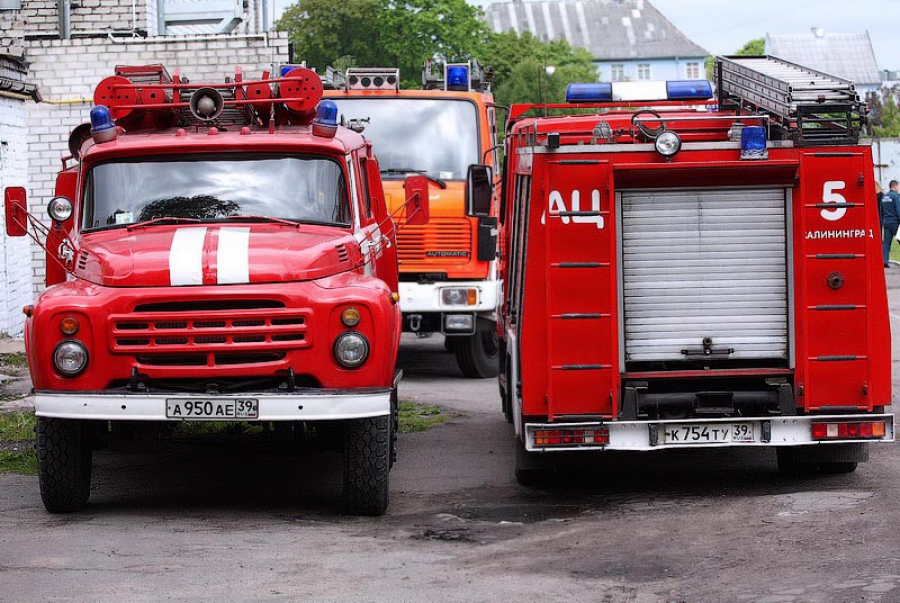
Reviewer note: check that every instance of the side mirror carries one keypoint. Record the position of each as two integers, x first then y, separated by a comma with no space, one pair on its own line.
479,191
416,189
15,200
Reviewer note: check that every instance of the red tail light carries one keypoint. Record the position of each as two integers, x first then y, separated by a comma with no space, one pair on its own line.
856,430
572,436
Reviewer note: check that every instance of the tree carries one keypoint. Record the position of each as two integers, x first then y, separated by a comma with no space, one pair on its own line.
755,47
890,119
394,33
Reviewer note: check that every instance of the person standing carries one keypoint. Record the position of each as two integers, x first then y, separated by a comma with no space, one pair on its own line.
879,195
890,218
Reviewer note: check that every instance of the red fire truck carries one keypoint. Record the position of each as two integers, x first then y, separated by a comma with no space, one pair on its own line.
448,267
683,272
218,252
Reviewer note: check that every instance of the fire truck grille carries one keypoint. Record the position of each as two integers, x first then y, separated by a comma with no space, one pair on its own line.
441,241
209,333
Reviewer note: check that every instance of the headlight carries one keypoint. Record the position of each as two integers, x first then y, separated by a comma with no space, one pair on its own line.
60,209
459,296
351,349
350,317
70,358
668,143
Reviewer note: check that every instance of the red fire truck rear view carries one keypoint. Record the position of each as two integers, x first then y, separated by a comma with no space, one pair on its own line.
219,252
684,272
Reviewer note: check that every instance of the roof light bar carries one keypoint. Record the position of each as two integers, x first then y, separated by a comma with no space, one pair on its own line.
599,92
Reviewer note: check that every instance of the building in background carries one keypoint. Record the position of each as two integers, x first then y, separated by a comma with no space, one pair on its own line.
629,39
846,55
56,51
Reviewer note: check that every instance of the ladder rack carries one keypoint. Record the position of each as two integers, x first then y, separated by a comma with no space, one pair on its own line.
812,107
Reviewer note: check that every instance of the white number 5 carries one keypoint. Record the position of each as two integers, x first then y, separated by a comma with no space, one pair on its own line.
829,196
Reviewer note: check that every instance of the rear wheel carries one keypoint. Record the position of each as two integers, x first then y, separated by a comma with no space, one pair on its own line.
64,464
533,468
478,354
367,451
836,468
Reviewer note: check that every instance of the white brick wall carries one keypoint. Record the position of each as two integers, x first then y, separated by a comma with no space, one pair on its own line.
15,272
66,72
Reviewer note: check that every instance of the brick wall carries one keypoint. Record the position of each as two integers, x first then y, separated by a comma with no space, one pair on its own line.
12,32
15,269
41,17
66,72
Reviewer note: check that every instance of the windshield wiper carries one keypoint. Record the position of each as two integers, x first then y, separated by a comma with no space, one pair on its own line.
264,219
161,220
441,183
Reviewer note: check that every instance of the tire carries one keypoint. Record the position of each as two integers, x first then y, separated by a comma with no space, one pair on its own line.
64,464
790,465
367,465
478,355
838,467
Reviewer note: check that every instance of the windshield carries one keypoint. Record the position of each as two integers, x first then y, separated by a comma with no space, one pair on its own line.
303,189
436,137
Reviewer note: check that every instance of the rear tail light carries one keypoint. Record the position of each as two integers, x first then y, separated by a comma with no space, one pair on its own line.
572,436
856,430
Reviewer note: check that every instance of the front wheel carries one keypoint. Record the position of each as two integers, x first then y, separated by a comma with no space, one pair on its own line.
367,464
478,355
64,464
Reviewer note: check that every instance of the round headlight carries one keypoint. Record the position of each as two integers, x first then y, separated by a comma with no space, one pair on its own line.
70,358
351,349
668,143
350,317
60,209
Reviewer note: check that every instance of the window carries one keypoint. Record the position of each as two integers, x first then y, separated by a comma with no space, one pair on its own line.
692,70
618,73
521,211
643,71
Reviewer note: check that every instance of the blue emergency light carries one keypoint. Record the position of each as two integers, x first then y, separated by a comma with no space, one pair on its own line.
589,93
458,77
689,90
286,69
753,143
325,123
102,127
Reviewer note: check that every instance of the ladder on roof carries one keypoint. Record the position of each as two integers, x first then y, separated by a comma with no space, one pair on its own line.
812,107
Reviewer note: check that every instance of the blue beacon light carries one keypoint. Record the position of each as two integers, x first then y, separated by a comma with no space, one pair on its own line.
589,93
753,143
689,90
103,129
325,124
458,77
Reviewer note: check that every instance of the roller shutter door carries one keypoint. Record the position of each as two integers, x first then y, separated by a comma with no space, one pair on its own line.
704,265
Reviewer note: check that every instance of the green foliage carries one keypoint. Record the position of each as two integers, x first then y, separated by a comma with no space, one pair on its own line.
383,33
419,417
755,47
14,360
17,427
890,119
23,462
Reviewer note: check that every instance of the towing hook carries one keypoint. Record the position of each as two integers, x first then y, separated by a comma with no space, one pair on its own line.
415,322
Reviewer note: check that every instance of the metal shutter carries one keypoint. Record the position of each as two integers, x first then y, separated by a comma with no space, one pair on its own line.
704,264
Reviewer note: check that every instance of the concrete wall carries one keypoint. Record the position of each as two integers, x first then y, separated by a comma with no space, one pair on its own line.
15,267
886,154
66,72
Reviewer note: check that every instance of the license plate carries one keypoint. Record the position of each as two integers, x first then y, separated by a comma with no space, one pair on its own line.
212,409
711,433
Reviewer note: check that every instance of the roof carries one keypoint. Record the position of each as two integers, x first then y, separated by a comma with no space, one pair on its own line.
609,29
846,55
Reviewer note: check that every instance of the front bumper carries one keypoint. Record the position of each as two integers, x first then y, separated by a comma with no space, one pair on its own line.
426,297
302,405
652,435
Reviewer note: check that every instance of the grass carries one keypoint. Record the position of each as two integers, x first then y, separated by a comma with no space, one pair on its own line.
419,417
17,430
14,361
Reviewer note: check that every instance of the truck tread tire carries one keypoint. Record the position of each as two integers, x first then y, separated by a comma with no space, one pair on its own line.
477,355
838,467
64,464
367,465
533,469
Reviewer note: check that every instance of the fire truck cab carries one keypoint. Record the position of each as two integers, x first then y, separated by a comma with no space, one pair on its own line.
218,252
684,272
448,267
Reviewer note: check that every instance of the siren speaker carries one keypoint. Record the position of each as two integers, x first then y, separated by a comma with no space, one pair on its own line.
207,104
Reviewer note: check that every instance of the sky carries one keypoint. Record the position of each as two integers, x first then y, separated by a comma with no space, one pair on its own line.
723,26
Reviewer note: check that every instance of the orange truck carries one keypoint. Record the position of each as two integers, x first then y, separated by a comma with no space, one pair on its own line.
448,267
